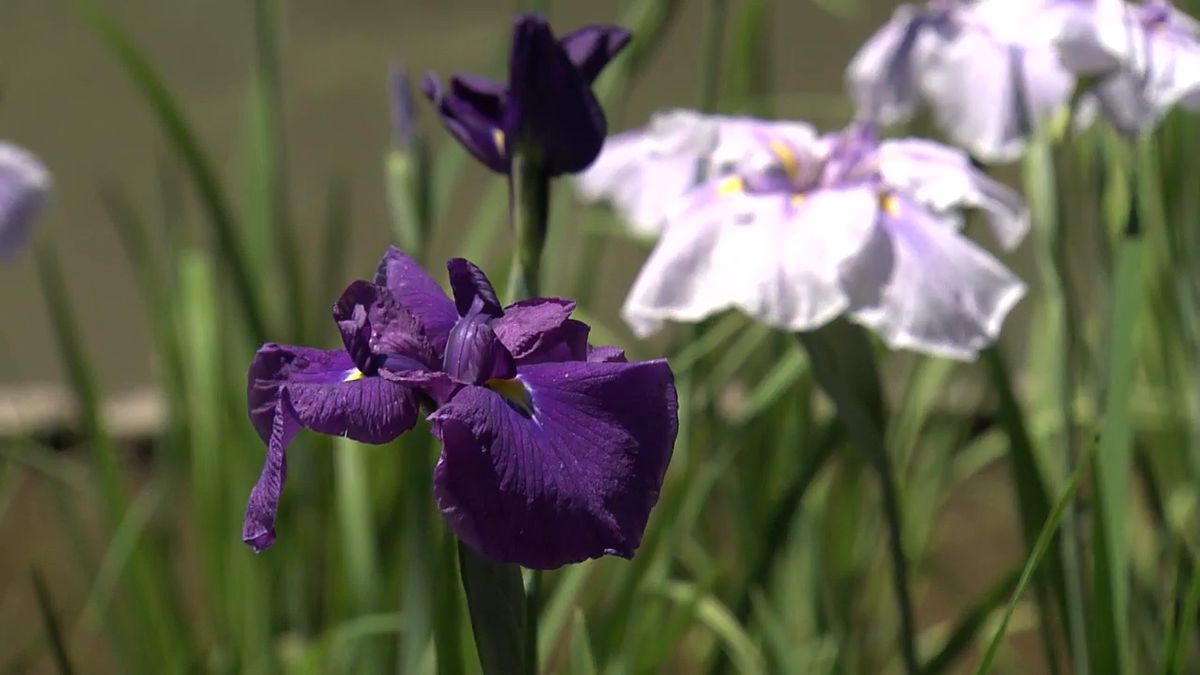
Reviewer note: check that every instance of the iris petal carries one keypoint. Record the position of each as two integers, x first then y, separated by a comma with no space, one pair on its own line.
945,295
292,387
24,182
376,327
551,108
542,329
592,47
417,292
575,480
476,131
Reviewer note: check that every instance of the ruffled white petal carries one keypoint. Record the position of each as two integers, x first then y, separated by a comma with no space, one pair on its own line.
943,179
945,296
779,262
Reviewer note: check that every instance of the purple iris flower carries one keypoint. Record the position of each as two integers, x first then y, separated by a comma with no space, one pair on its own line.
839,225
547,109
553,451
1145,57
989,71
24,182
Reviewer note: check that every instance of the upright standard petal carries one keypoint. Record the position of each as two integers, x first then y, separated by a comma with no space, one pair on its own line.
417,292
573,477
779,258
592,47
944,296
24,182
881,76
293,387
551,109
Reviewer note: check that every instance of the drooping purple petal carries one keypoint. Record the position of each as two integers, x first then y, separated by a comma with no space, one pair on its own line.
944,295
258,525
24,182
573,480
417,292
541,330
551,106
481,135
592,47
291,387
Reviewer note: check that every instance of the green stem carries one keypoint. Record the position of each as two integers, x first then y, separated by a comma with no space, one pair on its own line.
496,602
503,614
529,205
843,364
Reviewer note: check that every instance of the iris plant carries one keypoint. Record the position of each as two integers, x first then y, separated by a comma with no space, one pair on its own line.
795,229
24,182
553,451
996,72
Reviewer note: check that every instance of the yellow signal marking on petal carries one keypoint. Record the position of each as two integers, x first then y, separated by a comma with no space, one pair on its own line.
498,139
786,156
730,186
890,204
513,391
353,375
798,199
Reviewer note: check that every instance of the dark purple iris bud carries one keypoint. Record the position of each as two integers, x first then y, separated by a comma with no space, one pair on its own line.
404,109
553,451
547,109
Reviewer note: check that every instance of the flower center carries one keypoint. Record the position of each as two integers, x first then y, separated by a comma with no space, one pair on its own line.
514,392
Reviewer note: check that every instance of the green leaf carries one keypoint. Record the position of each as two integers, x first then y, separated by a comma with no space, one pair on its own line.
1115,454
496,599
582,661
54,636
716,617
1036,555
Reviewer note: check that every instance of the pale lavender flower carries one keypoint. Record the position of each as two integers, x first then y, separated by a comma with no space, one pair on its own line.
644,172
988,71
840,225
1146,58
24,182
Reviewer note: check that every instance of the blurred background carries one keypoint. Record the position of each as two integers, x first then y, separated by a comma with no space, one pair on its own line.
127,455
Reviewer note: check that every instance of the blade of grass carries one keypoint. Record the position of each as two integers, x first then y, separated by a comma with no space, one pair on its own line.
843,365
968,627
170,115
1036,555
273,233
356,527
1115,459
155,621
582,661
54,636
1175,656
1033,502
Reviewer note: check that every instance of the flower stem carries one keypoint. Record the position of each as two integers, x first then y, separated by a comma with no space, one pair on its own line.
504,614
844,366
529,206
